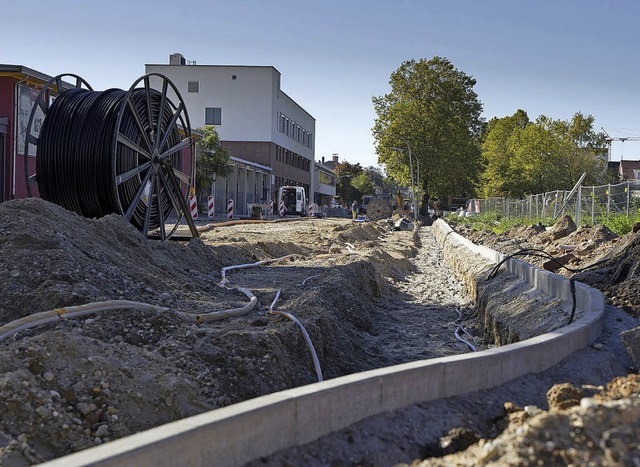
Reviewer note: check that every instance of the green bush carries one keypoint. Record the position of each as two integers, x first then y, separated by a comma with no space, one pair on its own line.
620,223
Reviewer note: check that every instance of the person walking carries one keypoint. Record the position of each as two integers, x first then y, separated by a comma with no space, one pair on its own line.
354,209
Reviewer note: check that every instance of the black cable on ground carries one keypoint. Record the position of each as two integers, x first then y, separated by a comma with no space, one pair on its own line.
543,254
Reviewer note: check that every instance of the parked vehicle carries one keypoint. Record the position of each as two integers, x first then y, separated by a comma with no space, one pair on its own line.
295,200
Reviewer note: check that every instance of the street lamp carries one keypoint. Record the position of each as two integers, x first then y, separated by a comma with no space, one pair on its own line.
417,165
413,190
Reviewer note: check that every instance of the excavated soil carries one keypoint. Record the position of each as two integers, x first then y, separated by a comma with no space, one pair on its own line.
368,297
358,288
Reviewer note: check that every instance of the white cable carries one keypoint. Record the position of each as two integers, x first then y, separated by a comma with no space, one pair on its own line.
44,317
314,356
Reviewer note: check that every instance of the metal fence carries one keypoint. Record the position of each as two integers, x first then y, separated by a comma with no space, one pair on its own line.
585,205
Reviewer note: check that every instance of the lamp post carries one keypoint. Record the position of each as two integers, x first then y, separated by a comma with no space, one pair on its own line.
417,165
413,189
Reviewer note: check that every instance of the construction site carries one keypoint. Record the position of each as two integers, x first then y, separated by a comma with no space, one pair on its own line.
132,334
157,341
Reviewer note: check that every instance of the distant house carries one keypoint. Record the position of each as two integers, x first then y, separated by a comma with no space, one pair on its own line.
629,170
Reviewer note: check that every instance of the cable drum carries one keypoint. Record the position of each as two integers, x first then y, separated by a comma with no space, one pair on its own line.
117,151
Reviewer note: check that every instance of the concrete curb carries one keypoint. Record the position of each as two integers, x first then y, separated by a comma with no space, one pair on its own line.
234,435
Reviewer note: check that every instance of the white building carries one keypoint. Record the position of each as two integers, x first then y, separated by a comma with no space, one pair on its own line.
324,184
255,119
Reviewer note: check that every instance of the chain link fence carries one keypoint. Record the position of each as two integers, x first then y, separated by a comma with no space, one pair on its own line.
584,205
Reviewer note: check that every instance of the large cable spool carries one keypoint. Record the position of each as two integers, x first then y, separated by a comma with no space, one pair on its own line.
114,151
379,209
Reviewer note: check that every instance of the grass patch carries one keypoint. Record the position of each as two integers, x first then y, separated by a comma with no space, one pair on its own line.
620,223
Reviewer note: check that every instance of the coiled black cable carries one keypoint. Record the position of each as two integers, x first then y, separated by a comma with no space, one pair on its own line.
79,160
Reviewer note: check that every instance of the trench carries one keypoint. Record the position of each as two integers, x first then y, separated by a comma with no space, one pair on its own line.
417,318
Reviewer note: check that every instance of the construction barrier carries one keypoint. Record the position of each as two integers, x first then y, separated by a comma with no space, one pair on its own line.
281,208
230,209
271,208
310,210
193,207
211,211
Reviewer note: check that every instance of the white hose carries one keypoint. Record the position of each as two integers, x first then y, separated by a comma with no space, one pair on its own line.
314,356
259,263
43,317
310,278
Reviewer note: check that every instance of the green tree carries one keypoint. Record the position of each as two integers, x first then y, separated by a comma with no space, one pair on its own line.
345,173
363,183
211,160
523,157
433,110
497,178
382,182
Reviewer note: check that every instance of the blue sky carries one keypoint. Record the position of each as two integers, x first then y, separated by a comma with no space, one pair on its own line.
545,57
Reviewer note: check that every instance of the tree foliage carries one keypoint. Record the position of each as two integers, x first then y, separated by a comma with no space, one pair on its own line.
523,157
363,183
211,160
433,111
354,181
345,173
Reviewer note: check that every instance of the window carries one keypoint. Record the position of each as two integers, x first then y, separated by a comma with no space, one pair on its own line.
193,86
636,173
234,77
213,116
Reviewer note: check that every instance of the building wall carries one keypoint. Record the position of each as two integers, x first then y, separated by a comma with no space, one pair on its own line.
256,151
246,101
252,106
7,110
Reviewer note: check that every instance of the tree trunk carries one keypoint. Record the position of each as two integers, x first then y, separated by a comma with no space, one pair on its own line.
424,208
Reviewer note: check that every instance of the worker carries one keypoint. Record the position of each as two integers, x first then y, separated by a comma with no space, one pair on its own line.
354,209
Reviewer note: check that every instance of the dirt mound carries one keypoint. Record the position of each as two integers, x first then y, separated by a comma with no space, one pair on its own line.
52,258
524,231
594,255
71,384
563,227
617,274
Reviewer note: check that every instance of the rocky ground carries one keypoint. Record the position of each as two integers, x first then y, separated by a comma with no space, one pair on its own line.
361,290
358,288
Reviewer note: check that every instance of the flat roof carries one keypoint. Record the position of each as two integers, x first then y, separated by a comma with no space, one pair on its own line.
4,68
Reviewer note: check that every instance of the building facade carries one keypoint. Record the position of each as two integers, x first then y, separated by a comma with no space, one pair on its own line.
254,118
19,88
324,185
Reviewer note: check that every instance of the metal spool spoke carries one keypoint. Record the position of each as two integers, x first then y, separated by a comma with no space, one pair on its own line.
163,99
182,176
43,104
120,179
163,232
147,214
170,192
147,92
137,197
59,84
31,139
131,145
170,126
139,124
185,143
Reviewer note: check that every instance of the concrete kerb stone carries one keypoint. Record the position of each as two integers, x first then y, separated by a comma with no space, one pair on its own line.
234,435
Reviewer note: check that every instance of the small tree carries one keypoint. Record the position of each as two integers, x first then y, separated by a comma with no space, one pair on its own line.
211,160
363,183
